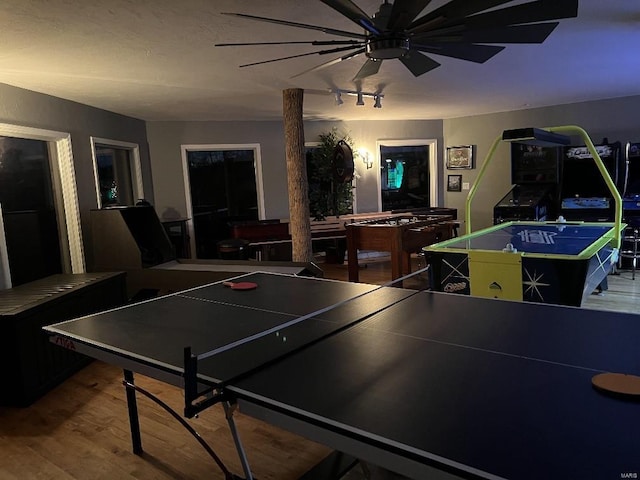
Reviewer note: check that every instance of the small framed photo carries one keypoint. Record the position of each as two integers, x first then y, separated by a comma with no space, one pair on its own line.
460,157
454,183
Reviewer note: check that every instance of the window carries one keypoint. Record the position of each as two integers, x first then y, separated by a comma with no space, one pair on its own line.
408,174
65,199
117,171
223,183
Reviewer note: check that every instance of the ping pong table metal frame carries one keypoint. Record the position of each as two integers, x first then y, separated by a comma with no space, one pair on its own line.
196,400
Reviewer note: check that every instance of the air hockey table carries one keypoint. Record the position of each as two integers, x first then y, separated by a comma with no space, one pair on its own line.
544,262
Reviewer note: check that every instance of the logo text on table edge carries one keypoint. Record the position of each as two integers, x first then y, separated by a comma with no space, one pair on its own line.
65,342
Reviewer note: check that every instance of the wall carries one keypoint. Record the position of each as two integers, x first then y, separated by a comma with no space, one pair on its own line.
31,109
616,119
165,139
365,134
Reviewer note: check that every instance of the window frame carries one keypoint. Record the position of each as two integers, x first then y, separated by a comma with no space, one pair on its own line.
136,166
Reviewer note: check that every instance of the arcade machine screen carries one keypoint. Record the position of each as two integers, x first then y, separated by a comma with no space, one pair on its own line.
584,194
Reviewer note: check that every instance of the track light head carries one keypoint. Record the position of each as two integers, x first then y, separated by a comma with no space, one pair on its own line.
360,99
378,103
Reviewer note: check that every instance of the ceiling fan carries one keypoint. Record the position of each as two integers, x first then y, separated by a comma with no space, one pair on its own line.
463,29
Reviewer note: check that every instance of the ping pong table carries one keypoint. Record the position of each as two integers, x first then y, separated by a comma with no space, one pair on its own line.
426,384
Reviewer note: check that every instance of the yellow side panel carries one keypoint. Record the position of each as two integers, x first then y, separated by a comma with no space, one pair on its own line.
495,275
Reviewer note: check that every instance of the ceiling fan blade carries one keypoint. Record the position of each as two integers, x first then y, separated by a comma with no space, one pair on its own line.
454,10
314,42
331,62
463,51
353,13
404,12
417,63
321,52
370,67
538,11
330,31
535,33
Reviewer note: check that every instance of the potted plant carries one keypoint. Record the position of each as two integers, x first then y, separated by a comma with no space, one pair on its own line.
328,194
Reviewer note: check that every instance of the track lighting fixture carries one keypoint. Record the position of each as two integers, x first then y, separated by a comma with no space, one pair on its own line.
360,95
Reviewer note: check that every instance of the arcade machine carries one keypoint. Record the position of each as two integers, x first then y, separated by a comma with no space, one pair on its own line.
584,195
631,190
535,176
630,251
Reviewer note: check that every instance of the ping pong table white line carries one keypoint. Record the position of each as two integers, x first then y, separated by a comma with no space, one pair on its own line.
238,305
484,350
297,320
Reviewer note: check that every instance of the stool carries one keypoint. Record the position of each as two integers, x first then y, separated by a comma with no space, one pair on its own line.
631,242
233,249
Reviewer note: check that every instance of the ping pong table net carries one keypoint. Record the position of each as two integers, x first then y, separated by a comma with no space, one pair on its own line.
269,345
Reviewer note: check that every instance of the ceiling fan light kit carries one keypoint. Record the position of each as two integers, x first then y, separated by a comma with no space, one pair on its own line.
470,30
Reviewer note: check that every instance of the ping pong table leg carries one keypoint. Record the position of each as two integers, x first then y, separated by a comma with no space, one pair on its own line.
132,406
229,409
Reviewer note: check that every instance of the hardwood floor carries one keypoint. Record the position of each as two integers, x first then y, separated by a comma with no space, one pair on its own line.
80,430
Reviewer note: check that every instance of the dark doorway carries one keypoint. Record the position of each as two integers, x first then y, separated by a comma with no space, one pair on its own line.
223,189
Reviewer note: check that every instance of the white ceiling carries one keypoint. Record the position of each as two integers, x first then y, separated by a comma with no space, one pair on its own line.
156,60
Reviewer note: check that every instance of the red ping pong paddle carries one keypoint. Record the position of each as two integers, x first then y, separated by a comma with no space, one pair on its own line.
240,285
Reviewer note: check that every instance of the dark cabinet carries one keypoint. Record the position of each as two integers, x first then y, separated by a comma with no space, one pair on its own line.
30,365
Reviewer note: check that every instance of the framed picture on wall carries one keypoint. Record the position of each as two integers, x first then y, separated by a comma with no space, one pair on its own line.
460,157
454,183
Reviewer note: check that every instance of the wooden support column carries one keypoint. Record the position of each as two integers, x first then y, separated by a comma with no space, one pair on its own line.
299,217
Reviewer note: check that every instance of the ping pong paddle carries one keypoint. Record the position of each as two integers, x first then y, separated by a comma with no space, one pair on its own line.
240,285
618,384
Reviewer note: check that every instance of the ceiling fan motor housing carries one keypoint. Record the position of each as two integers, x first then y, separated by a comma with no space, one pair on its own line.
387,47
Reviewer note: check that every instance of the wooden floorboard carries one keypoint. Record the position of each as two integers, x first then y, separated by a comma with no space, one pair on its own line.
80,429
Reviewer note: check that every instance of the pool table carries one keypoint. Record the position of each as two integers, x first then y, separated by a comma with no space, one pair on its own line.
543,262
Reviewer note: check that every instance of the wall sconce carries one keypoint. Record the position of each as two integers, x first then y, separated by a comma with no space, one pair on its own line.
377,97
364,154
